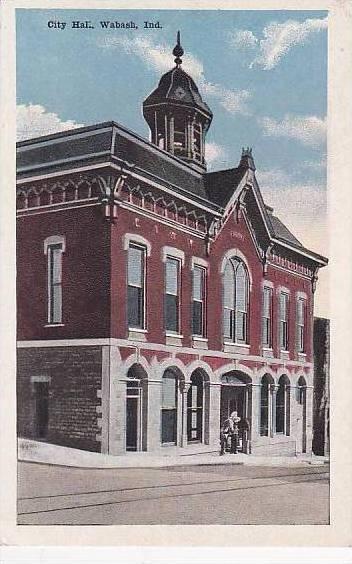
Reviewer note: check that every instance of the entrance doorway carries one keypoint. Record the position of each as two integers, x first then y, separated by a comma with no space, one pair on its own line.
133,415
41,398
136,409
236,396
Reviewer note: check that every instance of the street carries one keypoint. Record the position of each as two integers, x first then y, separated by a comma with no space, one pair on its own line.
213,494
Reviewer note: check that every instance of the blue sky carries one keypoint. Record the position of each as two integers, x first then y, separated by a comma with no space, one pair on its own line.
263,73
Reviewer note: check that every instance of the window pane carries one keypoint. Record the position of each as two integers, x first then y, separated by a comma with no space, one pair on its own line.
56,304
171,282
198,277
229,286
169,391
241,288
300,312
135,266
171,312
135,307
283,306
56,258
240,326
267,302
168,426
264,409
280,409
227,323
197,318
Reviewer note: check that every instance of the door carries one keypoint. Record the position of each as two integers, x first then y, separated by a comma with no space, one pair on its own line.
133,419
232,399
41,409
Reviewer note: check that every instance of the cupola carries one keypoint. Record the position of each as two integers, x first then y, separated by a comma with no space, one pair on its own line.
177,116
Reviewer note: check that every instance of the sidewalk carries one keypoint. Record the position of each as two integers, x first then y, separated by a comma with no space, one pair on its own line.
33,451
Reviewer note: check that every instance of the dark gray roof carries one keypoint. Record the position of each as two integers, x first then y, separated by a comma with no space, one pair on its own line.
282,232
108,142
169,87
221,185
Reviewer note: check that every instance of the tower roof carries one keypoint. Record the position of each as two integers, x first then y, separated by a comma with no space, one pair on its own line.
178,87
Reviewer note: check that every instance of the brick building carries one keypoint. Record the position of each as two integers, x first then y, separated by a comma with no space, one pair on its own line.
321,405
155,297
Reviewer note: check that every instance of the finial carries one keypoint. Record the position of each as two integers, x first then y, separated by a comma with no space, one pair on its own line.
178,51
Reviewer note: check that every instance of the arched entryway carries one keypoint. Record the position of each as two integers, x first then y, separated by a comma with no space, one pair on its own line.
172,408
198,407
236,395
302,400
136,409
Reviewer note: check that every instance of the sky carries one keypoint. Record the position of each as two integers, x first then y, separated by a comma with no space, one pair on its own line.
263,74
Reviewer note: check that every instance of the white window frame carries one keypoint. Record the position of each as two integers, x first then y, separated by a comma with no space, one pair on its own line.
57,242
270,290
142,247
179,262
284,347
203,269
301,327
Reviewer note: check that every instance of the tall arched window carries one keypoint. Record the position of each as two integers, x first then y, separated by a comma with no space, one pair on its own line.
235,301
195,408
283,406
169,408
265,406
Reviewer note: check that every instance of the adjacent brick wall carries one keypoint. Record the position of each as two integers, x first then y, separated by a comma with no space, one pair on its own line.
74,390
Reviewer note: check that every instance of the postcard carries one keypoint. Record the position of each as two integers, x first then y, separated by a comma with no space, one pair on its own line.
179,255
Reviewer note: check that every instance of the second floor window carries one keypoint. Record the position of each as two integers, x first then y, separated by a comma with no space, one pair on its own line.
235,301
55,283
284,321
172,293
267,317
136,287
198,301
301,314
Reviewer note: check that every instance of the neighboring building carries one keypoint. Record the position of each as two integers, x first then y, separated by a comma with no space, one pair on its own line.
321,407
154,298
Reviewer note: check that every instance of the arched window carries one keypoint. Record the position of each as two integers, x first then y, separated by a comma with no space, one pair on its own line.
265,406
195,408
283,406
169,408
235,301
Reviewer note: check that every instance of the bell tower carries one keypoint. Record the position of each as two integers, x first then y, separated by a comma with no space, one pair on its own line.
177,116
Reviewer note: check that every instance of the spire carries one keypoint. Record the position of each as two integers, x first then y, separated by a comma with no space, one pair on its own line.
178,51
247,160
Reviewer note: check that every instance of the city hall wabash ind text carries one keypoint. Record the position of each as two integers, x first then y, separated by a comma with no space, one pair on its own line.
154,297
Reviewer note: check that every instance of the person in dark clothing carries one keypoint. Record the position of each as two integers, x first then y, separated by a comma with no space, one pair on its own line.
229,431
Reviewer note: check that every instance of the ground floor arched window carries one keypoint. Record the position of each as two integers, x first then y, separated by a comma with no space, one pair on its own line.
195,400
282,417
265,406
169,408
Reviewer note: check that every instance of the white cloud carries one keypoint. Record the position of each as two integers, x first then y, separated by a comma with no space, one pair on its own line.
243,39
309,130
159,59
303,209
33,121
214,154
278,39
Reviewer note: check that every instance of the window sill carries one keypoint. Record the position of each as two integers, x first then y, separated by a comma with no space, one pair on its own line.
137,334
268,352
55,325
285,355
173,339
236,347
199,342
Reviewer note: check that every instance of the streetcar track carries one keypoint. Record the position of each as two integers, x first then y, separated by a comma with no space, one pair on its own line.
167,496
173,485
